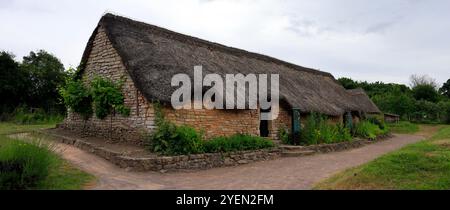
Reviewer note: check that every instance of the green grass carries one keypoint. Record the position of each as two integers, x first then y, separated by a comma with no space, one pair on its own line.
404,127
11,128
423,165
61,175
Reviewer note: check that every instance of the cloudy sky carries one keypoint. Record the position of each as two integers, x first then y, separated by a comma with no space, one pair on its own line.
385,40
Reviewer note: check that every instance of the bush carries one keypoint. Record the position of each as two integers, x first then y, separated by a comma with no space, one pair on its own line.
284,136
77,97
366,129
170,139
24,115
107,98
317,130
238,142
24,165
377,121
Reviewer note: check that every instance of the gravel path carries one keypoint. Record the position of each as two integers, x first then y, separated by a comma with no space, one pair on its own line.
282,173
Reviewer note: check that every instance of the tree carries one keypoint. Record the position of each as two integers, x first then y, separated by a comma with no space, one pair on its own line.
348,83
395,101
46,74
425,92
13,82
445,89
416,80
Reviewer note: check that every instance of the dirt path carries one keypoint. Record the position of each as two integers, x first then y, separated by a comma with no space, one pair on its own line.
283,173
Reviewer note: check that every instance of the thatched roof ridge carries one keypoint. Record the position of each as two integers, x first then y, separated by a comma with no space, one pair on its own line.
363,101
153,55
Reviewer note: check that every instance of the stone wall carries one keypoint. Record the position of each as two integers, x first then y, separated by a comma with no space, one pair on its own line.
104,61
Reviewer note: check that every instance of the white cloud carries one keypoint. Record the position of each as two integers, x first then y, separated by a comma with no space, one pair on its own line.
366,40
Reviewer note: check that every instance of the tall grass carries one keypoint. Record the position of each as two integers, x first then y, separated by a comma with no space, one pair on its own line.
317,130
24,115
366,129
24,165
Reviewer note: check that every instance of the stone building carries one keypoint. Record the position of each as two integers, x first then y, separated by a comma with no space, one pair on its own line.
147,56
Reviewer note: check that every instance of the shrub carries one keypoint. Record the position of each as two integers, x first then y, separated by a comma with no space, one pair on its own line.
376,121
238,142
107,97
366,129
24,165
170,139
317,130
24,115
284,136
77,97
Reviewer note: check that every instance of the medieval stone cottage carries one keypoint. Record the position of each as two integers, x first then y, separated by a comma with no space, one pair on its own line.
365,104
147,57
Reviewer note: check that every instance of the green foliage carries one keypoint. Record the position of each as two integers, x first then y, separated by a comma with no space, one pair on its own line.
45,74
425,92
366,129
317,130
348,83
13,83
77,97
425,112
444,111
377,121
107,98
396,102
170,139
238,142
24,165
23,115
445,89
284,136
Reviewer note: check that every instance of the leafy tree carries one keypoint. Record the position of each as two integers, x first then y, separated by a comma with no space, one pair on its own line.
426,111
77,97
396,102
445,89
107,98
46,74
425,92
13,82
348,83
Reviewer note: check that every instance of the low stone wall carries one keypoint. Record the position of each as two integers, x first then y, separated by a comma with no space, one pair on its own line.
116,135
163,163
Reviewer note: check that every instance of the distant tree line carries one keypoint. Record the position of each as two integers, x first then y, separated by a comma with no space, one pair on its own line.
31,83
422,101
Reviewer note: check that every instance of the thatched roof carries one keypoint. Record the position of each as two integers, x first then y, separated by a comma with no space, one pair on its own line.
363,101
153,55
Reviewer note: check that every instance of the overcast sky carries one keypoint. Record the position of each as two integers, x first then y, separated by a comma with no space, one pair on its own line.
386,40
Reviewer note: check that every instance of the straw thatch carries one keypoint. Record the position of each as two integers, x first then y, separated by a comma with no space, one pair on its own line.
363,101
153,55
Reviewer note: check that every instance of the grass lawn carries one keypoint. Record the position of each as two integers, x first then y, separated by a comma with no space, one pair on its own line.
404,127
423,165
62,175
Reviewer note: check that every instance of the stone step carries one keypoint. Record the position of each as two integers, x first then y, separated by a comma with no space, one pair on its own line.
292,148
297,153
